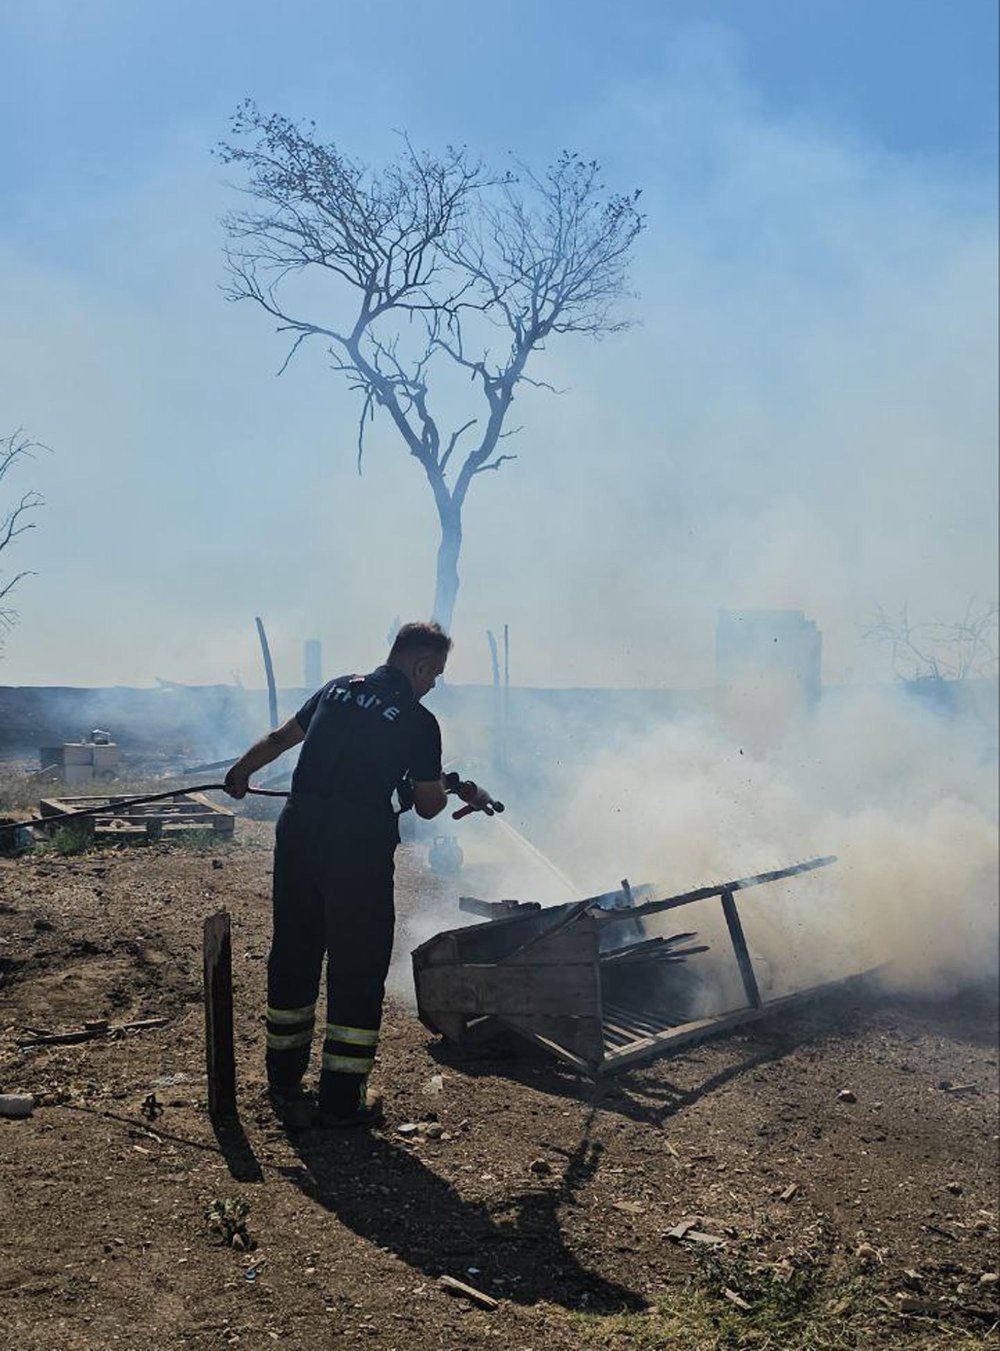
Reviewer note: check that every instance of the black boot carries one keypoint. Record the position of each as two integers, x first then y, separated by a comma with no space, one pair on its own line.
293,1105
365,1111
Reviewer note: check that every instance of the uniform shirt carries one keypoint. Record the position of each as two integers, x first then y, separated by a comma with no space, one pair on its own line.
362,735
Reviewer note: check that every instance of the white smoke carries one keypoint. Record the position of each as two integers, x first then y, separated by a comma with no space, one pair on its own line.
906,798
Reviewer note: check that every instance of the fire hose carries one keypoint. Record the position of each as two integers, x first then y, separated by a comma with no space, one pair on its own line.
113,803
465,789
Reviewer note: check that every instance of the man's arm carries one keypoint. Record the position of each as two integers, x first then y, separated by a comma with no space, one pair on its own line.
261,753
429,798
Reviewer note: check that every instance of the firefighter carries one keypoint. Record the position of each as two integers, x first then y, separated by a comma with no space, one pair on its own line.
362,736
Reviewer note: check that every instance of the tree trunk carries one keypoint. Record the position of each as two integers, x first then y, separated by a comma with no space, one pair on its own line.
446,588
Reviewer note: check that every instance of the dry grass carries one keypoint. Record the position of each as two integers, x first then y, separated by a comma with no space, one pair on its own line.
806,1311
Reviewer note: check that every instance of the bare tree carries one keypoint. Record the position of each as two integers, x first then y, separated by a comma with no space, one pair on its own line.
959,650
433,267
14,520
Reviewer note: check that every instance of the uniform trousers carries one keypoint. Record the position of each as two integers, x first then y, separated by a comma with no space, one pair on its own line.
333,897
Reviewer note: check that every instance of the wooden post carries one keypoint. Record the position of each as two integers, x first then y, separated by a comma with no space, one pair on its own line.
506,692
498,729
220,1058
494,661
740,948
272,693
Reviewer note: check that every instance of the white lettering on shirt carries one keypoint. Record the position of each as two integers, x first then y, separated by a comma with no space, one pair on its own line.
392,713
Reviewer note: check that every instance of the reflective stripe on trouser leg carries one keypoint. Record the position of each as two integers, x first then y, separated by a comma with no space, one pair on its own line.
352,1036
286,1016
289,1040
348,1059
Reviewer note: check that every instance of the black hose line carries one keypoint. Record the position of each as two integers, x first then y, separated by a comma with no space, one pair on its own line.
115,802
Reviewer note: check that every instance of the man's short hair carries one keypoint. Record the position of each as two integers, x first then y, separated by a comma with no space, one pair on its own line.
422,637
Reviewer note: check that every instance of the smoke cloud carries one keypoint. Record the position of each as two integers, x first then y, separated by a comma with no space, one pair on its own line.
906,798
805,416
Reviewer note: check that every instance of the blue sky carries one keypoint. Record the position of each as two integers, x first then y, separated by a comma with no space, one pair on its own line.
806,415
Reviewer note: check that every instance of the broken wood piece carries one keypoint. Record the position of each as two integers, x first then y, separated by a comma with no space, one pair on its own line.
59,1039
685,1232
789,1191
937,1229
629,1207
455,1287
94,1032
906,1303
736,1299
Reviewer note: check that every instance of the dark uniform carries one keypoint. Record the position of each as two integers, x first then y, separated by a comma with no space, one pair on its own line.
333,876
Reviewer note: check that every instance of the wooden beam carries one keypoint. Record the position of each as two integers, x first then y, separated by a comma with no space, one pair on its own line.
741,950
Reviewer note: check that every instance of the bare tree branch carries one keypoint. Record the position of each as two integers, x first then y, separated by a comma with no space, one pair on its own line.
493,464
939,650
435,240
14,449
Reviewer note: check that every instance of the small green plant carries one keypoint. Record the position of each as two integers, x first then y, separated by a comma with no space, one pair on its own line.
197,841
71,840
778,1295
227,1216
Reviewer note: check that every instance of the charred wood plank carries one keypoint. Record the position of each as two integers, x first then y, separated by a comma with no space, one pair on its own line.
741,950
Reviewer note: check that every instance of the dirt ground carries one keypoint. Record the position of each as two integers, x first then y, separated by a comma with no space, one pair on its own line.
869,1222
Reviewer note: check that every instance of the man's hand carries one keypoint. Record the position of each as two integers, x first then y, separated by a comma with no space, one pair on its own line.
476,799
237,782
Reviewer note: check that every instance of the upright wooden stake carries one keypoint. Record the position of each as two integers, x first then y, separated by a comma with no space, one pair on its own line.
220,1059
494,661
506,693
498,729
272,693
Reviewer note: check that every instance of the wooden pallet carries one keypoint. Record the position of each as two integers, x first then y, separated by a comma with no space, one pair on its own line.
547,975
184,812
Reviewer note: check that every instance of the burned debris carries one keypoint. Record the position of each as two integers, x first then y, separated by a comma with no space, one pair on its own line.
588,981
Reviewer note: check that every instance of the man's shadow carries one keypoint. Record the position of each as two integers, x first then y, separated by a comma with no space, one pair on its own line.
389,1196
